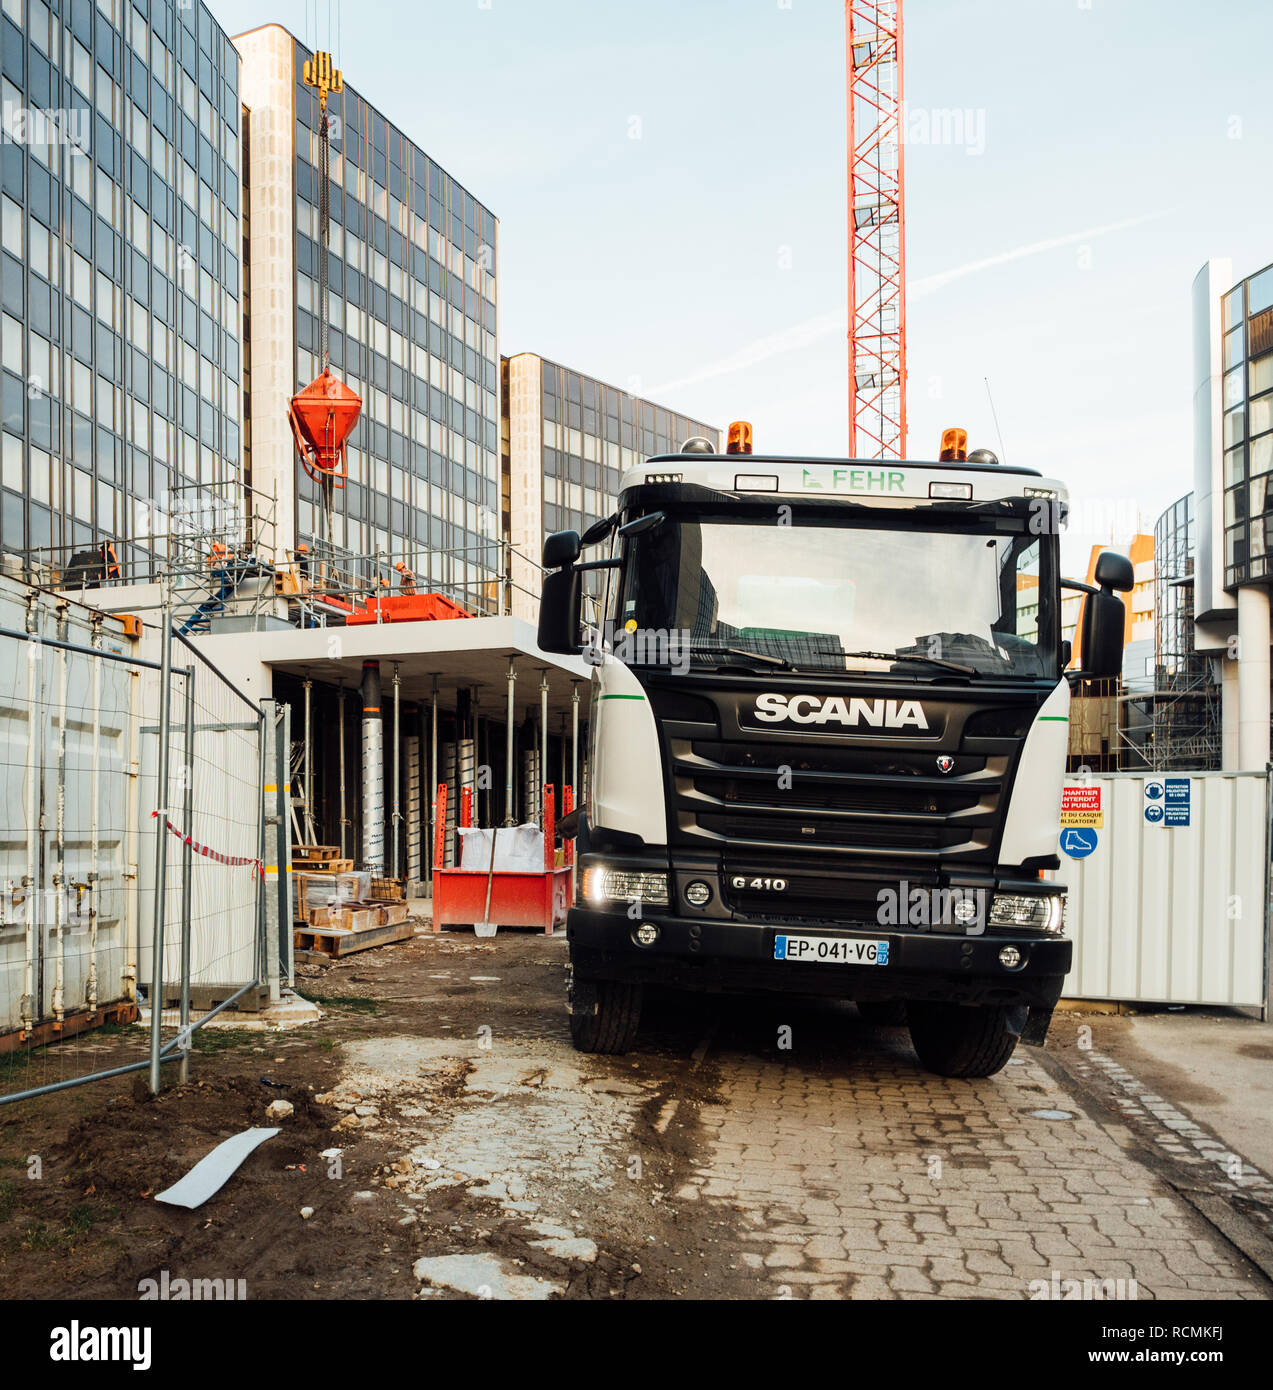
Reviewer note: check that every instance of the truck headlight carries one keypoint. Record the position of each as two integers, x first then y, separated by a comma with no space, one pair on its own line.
1030,911
602,884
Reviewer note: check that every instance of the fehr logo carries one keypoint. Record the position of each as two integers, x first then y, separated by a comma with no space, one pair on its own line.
773,708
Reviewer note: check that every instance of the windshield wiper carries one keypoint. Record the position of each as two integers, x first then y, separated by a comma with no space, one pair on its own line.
764,657
903,656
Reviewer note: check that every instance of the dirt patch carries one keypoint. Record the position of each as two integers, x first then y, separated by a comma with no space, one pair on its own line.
456,1118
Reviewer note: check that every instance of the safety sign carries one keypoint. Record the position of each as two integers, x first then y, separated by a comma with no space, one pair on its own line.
1176,801
1078,841
1167,801
1082,806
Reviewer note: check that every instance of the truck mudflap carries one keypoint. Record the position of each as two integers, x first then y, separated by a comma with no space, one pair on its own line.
581,994
1033,1028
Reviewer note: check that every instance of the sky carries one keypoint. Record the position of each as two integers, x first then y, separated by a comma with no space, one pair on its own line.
670,182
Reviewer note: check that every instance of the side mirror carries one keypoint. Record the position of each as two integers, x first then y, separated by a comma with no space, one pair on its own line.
1114,571
560,604
562,548
1104,622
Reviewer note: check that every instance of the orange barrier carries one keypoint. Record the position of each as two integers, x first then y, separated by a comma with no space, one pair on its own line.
406,608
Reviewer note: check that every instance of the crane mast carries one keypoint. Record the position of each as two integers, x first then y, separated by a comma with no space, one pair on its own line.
877,230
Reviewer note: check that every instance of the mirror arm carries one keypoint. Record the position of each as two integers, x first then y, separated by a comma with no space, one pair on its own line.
1082,588
598,565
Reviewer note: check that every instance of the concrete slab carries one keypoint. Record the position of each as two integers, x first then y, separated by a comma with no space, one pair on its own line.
483,1276
1213,1063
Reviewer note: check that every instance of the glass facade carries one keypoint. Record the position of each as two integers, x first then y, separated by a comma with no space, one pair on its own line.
1186,713
1247,317
412,328
122,320
592,434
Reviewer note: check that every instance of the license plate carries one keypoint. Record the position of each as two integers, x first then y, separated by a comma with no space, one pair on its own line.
830,950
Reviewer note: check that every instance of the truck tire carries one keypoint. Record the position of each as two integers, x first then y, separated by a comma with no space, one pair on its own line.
960,1040
883,1013
612,1029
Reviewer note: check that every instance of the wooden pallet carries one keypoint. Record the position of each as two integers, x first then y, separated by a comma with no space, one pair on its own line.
356,916
338,941
320,865
315,852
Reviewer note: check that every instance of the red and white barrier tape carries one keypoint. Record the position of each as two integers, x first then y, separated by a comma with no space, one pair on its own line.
233,860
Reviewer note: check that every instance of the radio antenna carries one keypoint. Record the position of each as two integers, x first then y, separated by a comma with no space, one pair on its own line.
1003,452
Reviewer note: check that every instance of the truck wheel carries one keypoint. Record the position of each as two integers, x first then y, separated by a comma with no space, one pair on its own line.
613,1027
960,1040
883,1013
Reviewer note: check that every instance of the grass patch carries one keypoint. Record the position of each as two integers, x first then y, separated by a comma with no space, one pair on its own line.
79,1221
211,1040
42,1237
328,1044
353,1002
8,1195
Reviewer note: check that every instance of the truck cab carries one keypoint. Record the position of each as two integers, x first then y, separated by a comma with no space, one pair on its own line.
828,732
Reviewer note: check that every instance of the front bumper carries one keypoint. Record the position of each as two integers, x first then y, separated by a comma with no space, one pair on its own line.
735,956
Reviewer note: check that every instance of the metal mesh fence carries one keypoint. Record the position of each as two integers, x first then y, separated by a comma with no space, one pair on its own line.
107,846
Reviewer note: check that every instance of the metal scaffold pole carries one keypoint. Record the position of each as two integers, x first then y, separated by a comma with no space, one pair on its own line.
508,744
574,740
341,742
187,861
543,743
397,768
433,762
309,800
161,843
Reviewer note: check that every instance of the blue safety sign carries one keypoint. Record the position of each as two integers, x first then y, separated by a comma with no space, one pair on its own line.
1154,813
1078,841
1176,801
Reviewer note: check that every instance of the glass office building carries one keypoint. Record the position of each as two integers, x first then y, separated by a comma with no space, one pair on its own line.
568,438
1247,403
412,267
121,268
1186,705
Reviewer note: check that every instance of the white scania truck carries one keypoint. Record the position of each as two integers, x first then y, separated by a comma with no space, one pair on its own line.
829,725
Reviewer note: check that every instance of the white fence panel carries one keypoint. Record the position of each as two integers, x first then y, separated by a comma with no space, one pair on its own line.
1168,913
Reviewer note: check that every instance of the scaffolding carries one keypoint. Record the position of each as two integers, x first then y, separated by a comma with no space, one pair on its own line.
220,556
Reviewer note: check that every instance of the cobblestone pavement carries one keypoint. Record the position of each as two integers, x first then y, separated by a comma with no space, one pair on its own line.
769,1149
859,1176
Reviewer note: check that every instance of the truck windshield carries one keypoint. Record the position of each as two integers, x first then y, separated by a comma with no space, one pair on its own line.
828,594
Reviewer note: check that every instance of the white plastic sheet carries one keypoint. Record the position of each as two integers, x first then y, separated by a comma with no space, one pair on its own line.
214,1170
518,848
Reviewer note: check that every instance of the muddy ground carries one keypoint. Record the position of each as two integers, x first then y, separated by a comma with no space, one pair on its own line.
90,1226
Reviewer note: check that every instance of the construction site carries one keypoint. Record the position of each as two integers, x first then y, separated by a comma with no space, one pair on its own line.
306,766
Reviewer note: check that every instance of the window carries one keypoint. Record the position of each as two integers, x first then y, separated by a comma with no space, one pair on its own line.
1234,387
1259,292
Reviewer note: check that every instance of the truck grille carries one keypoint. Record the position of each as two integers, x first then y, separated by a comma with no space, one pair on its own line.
849,802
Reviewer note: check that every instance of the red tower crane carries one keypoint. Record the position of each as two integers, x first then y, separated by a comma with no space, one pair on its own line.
877,230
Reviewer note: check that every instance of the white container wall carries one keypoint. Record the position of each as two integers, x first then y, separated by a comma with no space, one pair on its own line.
67,725
1171,913
226,783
